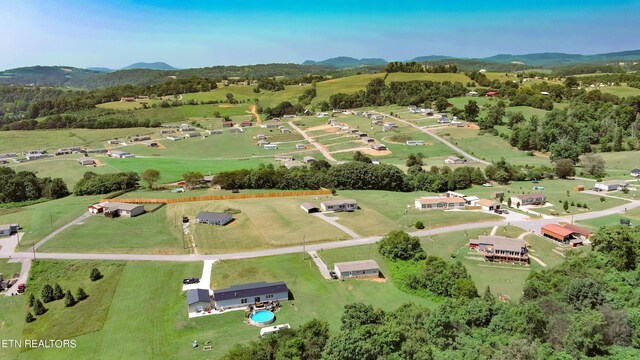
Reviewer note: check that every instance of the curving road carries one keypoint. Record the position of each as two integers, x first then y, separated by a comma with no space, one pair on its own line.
442,140
320,148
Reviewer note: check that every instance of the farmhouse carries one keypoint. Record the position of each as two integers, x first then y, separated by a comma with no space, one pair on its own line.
84,161
415,142
8,229
454,160
115,209
357,269
283,158
635,172
378,147
488,205
439,203
198,300
250,294
611,185
270,147
501,249
213,218
528,199
309,208
339,205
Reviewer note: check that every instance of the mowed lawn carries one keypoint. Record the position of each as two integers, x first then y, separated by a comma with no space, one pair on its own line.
261,224
40,220
621,91
384,211
610,220
490,147
314,297
149,233
65,167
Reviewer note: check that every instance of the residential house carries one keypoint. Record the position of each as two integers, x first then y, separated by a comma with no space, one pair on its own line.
427,112
285,130
143,97
174,138
635,172
501,249
246,123
309,208
611,185
96,208
8,155
470,199
339,205
388,126
276,119
472,93
236,130
125,210
454,160
214,132
378,147
376,117
261,137
486,204
227,124
283,158
497,195
127,99
140,138
198,300
415,142
115,142
528,199
323,114
301,146
250,294
357,269
119,154
368,140
213,218
63,151
443,119
308,159
262,143
412,108
8,229
270,147
85,161
458,123
269,125
440,203
192,135
289,116
184,129
360,134
167,132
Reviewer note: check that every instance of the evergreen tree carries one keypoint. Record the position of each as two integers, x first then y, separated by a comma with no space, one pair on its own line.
81,294
32,300
566,205
69,300
39,308
57,292
47,294
30,317
95,274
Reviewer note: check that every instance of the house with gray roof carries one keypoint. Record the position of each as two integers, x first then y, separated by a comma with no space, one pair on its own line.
339,205
611,185
250,294
198,300
125,210
213,218
8,229
357,269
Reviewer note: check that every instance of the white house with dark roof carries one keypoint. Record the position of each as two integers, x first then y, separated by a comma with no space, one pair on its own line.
125,210
339,205
357,269
250,294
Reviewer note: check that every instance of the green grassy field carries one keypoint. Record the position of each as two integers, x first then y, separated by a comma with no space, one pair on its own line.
7,268
261,224
621,91
41,219
134,105
490,147
383,211
65,167
610,220
148,234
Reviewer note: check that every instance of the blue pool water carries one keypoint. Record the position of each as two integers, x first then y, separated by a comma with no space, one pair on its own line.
264,317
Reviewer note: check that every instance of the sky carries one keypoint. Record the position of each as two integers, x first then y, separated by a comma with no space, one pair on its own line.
185,34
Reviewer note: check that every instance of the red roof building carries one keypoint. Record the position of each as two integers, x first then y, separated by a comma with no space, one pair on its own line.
557,232
492,93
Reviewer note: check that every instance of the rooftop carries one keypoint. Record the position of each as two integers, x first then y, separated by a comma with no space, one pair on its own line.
557,229
357,265
248,290
217,217
339,202
198,295
440,199
122,206
529,196
502,243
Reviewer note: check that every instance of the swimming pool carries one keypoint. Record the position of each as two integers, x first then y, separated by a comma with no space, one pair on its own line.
261,318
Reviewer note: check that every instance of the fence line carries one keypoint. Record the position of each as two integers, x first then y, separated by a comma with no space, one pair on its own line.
221,197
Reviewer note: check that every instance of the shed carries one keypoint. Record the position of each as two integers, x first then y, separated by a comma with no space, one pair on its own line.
557,232
357,269
86,161
198,300
8,229
309,208
213,218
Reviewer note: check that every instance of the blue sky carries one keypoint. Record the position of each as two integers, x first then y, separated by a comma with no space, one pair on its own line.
196,33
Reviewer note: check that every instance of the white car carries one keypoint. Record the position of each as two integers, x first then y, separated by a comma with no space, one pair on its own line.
487,185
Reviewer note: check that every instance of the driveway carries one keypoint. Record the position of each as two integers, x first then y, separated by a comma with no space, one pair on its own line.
324,270
24,276
205,278
8,245
76,221
334,221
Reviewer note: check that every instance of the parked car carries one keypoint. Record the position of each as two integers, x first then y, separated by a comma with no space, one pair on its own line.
185,219
22,288
487,185
505,211
333,274
191,281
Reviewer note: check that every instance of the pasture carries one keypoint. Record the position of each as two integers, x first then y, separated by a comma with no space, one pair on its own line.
620,91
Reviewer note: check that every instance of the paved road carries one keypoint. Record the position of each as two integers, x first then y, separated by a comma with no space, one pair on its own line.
320,148
24,275
442,140
334,221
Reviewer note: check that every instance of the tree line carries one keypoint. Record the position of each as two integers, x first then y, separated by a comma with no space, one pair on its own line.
26,186
95,184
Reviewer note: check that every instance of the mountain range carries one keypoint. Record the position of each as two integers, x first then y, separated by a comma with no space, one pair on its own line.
535,59
139,65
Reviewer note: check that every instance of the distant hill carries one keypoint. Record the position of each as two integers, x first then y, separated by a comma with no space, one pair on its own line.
430,58
45,75
347,62
550,59
150,66
100,69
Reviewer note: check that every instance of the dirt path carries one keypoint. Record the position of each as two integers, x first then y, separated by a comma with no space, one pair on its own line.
255,114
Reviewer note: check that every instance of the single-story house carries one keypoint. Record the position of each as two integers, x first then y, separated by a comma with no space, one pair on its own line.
376,117
308,159
497,194
412,107
127,99
557,232
357,269
415,142
125,210
471,199
261,137
454,160
86,161
443,119
301,146
439,203
8,155
246,123
472,93
227,123
269,125
276,119
283,158
285,130
119,154
309,208
339,205
186,128
214,132
501,249
528,199
368,140
635,172
378,147
262,143
63,152
193,135
292,164
151,143
174,138
360,134
213,218
250,294
235,130
270,147
198,300
610,185
139,138
388,126
8,229
488,205
458,123
454,194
